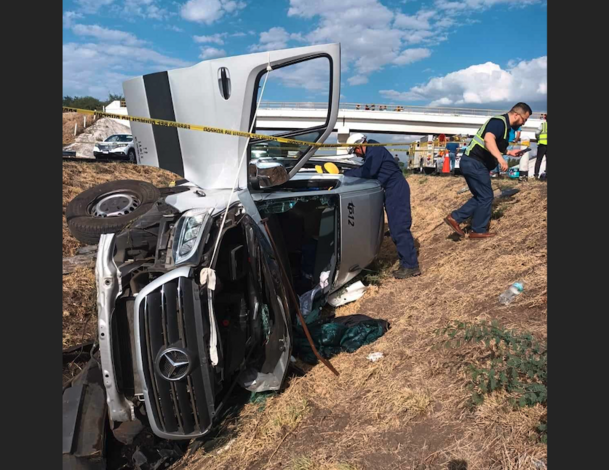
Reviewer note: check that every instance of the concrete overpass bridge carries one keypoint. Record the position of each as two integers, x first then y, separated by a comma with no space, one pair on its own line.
381,119
393,119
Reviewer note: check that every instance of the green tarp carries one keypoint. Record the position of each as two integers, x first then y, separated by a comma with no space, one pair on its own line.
334,335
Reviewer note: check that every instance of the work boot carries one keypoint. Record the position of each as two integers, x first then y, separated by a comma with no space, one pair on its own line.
404,273
476,235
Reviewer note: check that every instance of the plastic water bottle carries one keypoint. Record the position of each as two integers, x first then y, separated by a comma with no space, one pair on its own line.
511,293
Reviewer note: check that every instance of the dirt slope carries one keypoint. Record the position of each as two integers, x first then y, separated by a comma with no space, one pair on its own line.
410,409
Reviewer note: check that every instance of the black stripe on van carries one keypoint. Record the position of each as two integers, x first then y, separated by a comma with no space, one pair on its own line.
160,105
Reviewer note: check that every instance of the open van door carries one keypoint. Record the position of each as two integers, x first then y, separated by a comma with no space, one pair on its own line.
222,93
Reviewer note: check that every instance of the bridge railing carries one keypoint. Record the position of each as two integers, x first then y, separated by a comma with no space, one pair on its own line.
304,105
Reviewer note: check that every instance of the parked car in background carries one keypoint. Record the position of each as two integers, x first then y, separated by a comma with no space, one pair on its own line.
117,146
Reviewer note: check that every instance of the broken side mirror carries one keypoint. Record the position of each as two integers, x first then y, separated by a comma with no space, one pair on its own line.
269,174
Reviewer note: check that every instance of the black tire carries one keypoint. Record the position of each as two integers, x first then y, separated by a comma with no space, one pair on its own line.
87,227
131,156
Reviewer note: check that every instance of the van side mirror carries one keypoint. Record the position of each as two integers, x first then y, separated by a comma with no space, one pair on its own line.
269,174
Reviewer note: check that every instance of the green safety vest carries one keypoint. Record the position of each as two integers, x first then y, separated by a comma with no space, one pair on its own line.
479,140
543,136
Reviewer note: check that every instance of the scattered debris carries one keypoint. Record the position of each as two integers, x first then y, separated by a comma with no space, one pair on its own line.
340,334
497,192
84,414
128,430
508,192
139,458
80,352
347,294
86,250
511,293
79,261
539,464
226,447
375,356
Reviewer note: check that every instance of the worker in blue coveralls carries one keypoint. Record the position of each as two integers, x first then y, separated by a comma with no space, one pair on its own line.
380,164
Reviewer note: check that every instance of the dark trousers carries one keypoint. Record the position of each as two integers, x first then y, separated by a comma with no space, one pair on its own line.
479,206
541,152
397,205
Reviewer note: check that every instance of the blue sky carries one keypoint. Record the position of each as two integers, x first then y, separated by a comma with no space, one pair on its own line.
464,53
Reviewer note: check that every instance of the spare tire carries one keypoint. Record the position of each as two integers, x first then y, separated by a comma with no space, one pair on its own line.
108,208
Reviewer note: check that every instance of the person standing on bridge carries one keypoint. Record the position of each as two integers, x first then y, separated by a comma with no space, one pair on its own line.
484,151
380,164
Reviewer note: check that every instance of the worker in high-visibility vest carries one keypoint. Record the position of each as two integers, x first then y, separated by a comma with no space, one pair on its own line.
484,151
542,145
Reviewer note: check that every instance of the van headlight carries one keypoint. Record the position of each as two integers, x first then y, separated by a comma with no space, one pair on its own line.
188,233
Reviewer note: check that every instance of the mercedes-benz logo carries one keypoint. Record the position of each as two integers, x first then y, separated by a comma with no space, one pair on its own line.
173,364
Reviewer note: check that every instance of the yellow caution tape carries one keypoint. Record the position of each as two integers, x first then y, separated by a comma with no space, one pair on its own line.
217,130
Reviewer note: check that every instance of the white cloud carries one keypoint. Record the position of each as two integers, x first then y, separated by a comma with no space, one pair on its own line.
105,34
274,39
240,34
483,4
92,6
371,35
484,83
69,17
408,56
214,38
99,69
145,9
448,22
202,11
211,53
231,6
418,21
174,28
312,75
358,80
209,11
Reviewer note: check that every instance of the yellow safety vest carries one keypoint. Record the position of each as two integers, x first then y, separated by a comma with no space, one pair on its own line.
479,140
543,136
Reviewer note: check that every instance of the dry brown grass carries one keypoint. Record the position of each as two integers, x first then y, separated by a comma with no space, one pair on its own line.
79,301
409,410
69,119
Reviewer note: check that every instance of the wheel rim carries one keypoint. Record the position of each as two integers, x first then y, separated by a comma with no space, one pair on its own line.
114,205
